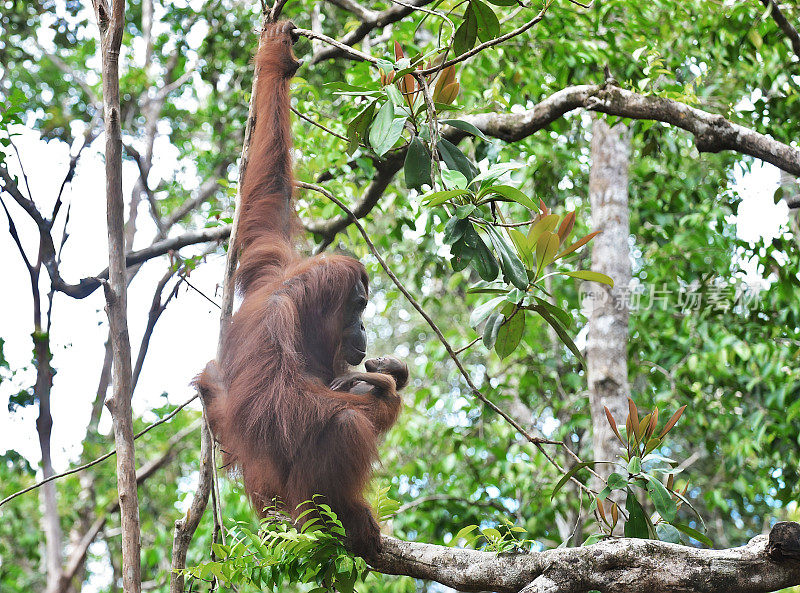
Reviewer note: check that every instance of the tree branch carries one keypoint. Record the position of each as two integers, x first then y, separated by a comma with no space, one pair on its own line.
632,565
713,133
369,21
784,25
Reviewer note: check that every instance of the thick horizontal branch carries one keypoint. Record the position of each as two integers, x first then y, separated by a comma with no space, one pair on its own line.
620,564
713,133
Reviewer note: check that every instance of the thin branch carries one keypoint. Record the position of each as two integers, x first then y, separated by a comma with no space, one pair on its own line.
100,459
492,42
784,25
319,125
12,230
156,309
377,20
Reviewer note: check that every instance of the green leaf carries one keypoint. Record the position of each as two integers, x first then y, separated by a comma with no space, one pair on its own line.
513,268
465,126
558,312
565,478
637,525
616,481
482,312
693,533
487,23
595,537
440,197
483,260
634,465
492,328
523,249
357,128
395,96
510,334
592,276
462,534
454,230
545,225
668,533
455,159
496,171
561,332
453,179
379,132
661,499
467,32
513,194
417,166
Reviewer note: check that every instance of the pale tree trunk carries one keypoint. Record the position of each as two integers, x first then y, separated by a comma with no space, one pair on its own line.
110,21
607,344
44,427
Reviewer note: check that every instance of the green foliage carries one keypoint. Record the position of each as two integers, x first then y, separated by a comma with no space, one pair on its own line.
282,553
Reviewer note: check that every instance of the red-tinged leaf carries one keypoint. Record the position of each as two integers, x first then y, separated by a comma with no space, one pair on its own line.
642,427
614,515
613,424
601,510
447,76
675,417
651,428
670,481
546,248
398,51
566,226
543,207
545,224
633,418
449,93
578,244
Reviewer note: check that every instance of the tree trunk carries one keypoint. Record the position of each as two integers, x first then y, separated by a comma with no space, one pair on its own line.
607,352
110,21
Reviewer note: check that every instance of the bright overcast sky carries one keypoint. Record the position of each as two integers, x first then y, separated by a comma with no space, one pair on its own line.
185,337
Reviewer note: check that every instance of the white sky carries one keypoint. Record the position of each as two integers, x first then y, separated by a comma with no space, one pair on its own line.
185,337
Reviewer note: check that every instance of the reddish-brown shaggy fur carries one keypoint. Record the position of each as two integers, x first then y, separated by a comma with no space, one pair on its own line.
289,434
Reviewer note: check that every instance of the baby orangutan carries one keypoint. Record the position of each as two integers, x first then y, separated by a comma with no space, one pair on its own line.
384,376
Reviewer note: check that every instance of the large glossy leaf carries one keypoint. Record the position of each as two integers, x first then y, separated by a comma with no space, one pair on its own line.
482,312
510,334
455,159
513,268
661,498
492,328
379,131
637,525
467,32
487,23
417,166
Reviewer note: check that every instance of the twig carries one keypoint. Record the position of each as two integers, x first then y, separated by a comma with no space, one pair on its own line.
319,125
99,459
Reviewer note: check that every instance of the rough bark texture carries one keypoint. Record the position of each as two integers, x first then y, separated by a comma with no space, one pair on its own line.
110,21
630,565
607,344
713,133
